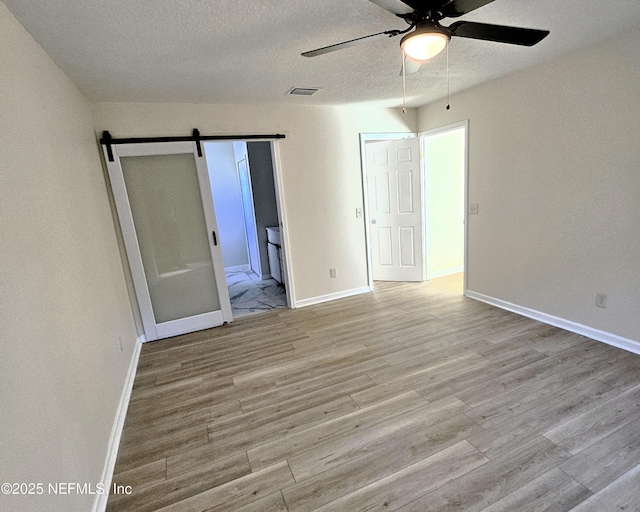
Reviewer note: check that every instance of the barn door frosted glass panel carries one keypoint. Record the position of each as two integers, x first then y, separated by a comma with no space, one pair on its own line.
166,206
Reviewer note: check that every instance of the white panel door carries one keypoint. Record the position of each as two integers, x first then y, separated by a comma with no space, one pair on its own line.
164,204
394,198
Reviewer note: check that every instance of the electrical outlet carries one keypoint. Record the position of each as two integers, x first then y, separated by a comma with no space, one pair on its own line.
473,209
333,273
601,300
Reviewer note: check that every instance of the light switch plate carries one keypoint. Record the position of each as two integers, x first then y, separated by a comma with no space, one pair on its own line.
473,208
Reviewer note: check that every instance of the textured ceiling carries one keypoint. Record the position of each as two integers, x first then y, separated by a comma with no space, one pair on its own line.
248,51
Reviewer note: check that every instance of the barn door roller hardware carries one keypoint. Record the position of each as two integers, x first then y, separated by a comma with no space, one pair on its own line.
108,141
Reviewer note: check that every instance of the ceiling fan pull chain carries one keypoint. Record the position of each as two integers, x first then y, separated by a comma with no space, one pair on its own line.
448,82
404,86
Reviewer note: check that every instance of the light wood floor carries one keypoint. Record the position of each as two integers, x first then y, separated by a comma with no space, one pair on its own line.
410,398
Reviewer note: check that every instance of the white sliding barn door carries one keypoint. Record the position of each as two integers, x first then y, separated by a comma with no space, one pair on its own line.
165,208
394,198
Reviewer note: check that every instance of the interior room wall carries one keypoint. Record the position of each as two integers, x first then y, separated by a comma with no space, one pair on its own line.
68,335
227,202
554,165
444,156
264,195
320,172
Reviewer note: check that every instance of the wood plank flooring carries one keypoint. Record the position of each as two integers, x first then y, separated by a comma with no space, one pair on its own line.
410,398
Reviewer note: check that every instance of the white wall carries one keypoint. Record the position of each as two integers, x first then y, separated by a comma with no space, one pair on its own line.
554,163
64,303
228,202
444,160
320,163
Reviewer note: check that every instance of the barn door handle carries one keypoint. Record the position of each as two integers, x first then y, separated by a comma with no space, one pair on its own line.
215,238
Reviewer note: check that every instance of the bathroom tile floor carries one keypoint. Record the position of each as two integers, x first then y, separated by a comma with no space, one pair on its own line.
249,294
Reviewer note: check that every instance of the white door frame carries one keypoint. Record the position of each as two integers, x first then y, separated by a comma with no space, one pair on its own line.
287,277
364,137
438,131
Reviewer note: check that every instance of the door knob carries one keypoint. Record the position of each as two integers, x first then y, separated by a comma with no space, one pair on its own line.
373,221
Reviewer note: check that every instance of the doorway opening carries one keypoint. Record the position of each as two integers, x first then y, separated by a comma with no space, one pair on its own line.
416,223
241,174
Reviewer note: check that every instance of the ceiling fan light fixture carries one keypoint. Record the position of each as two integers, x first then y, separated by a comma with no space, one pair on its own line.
425,42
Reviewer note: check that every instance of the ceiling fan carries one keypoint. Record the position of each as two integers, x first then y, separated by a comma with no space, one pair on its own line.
425,38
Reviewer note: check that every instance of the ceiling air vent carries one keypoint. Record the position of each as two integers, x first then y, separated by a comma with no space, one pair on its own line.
304,91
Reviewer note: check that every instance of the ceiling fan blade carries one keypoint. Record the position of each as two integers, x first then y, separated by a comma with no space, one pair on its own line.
498,33
352,42
424,5
393,6
449,8
456,8
410,66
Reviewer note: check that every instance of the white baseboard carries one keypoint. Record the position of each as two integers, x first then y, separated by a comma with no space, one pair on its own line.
445,272
584,330
331,296
238,268
100,502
